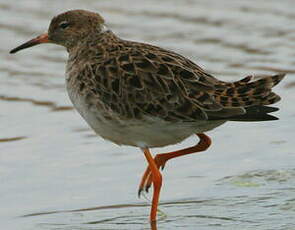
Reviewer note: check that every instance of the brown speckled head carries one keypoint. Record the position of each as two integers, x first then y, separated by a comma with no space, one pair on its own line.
67,29
72,26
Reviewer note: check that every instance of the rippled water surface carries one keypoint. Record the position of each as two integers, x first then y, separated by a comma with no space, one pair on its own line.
56,174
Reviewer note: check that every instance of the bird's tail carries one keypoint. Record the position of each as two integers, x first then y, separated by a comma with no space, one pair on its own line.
246,93
253,96
256,113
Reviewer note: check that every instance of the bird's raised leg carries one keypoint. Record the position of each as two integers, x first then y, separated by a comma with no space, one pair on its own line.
161,159
156,179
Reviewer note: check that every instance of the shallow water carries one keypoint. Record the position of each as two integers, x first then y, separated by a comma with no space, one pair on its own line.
56,174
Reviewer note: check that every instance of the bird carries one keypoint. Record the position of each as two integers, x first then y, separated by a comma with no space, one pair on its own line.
141,95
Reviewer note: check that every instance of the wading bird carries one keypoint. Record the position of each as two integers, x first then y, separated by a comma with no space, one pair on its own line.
145,96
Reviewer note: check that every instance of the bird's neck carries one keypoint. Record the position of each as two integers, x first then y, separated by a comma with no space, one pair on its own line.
93,46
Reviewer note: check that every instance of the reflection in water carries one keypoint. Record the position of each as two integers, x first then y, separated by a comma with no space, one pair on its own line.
154,225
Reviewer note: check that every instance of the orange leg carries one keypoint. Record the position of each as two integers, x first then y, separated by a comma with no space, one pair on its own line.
161,159
156,178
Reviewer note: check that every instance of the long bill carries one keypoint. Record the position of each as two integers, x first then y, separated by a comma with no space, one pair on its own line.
43,38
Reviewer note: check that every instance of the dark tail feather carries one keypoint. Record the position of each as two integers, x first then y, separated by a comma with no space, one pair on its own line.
256,113
247,93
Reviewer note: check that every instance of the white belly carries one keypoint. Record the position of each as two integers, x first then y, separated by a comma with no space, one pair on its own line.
149,132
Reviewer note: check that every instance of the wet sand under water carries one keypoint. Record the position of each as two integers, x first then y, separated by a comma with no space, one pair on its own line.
56,174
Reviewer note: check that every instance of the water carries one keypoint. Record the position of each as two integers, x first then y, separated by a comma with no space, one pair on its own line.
56,174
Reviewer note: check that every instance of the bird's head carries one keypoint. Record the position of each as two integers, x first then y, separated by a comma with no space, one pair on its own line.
67,29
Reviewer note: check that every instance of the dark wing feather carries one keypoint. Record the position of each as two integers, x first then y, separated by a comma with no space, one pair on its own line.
136,79
160,83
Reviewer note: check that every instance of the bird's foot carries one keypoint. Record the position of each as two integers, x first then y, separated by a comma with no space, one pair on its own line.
146,180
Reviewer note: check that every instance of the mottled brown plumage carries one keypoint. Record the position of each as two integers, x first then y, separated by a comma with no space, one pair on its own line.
142,95
136,79
131,80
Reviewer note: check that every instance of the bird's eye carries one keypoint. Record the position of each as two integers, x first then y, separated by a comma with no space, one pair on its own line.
64,25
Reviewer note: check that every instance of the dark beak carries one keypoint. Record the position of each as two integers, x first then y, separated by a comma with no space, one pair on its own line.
43,38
